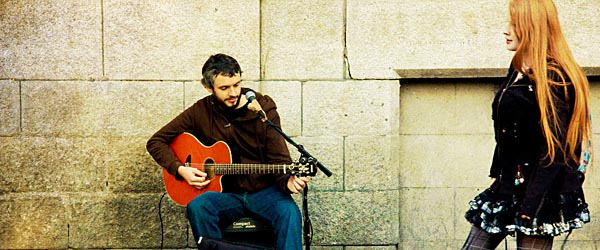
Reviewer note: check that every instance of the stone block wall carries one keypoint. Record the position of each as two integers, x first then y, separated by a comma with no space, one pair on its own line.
84,84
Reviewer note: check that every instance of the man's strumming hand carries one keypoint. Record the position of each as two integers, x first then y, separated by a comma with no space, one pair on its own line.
193,176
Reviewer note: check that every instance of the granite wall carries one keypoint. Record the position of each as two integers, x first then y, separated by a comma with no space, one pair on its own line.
84,84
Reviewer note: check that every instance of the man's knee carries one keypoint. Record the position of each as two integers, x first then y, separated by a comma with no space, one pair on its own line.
200,206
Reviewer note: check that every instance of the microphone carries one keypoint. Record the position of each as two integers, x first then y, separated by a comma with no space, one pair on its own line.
255,106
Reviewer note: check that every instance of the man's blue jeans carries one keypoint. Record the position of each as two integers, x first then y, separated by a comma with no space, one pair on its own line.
210,210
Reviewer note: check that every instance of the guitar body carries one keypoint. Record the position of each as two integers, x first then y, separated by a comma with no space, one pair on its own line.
215,161
186,145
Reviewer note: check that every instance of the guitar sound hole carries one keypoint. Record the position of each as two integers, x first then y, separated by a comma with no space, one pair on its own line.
209,168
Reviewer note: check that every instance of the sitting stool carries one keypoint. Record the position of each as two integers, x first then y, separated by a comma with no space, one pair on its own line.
251,231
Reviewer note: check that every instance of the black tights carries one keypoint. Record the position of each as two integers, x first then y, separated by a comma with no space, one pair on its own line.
479,239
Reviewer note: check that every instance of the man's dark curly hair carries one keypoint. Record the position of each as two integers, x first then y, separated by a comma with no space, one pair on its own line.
219,64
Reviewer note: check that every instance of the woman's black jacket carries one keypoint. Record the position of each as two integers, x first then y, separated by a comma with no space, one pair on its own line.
520,144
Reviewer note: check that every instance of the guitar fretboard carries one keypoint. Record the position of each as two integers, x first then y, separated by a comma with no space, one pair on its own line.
231,169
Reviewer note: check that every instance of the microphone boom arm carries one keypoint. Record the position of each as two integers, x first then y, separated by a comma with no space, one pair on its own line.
255,106
300,148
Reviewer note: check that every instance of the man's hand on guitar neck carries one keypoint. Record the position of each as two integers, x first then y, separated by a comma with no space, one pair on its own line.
193,176
296,184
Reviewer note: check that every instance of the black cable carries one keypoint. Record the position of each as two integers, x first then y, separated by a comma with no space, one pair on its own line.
565,241
162,233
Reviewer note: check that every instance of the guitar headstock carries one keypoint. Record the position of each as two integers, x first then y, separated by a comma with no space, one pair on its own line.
305,167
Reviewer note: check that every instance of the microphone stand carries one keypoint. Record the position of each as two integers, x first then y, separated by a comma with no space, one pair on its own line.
305,156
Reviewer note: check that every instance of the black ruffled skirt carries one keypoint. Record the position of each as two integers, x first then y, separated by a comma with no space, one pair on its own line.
499,215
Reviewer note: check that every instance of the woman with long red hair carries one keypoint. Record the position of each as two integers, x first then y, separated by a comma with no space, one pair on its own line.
542,129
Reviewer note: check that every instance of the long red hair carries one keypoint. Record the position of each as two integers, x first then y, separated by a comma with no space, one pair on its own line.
544,50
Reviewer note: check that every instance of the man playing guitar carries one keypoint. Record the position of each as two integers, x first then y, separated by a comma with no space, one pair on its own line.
224,116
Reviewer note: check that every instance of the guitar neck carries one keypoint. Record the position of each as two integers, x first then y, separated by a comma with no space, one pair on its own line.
233,169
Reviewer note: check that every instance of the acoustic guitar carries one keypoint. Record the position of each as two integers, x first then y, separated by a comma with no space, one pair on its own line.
215,161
